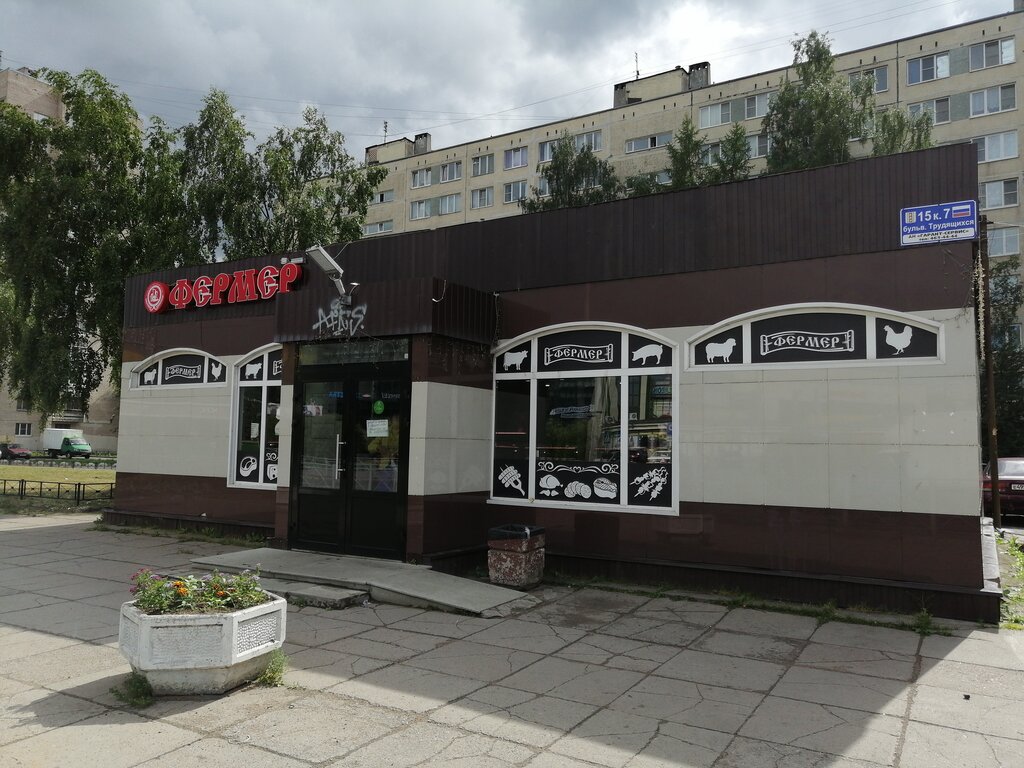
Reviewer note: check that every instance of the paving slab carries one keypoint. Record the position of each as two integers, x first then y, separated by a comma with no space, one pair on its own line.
574,678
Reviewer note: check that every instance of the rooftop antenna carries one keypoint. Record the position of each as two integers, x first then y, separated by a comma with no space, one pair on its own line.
636,62
385,131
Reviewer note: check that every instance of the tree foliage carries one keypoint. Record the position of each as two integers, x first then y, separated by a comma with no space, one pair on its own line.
898,131
733,161
574,177
687,154
812,120
89,201
1006,295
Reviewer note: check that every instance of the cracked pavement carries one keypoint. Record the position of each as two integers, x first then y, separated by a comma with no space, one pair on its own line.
589,677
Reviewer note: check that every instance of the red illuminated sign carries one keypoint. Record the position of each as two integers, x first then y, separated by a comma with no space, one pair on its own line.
223,288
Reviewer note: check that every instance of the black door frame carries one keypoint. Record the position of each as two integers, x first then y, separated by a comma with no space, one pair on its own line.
351,501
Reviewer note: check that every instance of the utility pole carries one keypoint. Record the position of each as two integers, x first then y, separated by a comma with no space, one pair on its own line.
990,379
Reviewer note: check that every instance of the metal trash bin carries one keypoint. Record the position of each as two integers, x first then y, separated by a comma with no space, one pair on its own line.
515,555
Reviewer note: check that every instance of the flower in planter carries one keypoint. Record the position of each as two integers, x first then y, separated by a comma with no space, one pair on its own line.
213,593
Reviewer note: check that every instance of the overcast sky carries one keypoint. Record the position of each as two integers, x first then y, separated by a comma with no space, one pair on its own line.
458,69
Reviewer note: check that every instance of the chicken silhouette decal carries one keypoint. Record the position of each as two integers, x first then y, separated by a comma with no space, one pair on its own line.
898,341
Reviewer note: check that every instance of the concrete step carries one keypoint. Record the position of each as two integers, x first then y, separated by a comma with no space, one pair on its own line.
318,595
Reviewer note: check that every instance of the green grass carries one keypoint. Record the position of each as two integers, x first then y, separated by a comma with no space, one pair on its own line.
1011,562
135,691
273,675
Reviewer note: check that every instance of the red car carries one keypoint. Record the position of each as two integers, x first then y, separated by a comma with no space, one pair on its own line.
1011,486
12,451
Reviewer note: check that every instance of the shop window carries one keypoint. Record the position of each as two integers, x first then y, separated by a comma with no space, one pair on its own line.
180,368
256,420
583,416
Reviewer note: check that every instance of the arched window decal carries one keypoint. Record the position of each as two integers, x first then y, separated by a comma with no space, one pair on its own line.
817,335
583,416
256,418
179,367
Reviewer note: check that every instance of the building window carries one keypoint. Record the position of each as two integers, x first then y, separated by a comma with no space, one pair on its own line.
590,139
711,153
757,105
716,114
257,412
482,198
997,194
879,74
601,430
483,164
379,227
515,158
421,178
996,146
23,429
759,145
937,108
544,187
515,191
992,54
648,142
450,204
419,209
925,68
999,98
1004,241
387,196
22,404
451,171
546,151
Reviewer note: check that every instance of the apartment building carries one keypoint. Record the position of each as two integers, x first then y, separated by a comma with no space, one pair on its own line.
22,89
967,77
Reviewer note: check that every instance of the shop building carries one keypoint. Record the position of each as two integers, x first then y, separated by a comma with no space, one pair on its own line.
750,386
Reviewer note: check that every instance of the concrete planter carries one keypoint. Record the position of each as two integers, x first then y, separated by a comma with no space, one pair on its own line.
193,653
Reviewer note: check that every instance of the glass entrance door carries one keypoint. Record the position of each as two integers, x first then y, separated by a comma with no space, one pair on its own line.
351,455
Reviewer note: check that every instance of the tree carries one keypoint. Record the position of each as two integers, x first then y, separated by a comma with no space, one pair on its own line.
811,121
90,201
65,241
899,131
733,161
688,154
574,177
1006,295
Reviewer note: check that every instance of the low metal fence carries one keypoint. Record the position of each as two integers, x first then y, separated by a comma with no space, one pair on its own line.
43,489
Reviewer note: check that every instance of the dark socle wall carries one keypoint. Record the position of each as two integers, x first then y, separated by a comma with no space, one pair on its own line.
197,499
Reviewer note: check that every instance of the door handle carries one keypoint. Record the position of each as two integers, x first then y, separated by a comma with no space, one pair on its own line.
338,469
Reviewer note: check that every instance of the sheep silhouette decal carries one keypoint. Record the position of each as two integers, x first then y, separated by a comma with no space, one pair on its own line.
722,350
